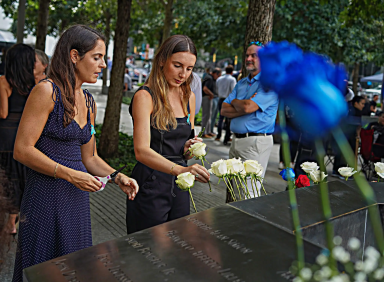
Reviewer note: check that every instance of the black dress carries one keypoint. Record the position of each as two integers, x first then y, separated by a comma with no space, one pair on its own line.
159,199
12,173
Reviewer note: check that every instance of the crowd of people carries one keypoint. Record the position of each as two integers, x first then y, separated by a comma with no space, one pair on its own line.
48,153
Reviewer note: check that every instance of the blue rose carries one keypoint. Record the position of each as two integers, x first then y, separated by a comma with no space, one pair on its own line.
317,103
275,58
309,84
287,173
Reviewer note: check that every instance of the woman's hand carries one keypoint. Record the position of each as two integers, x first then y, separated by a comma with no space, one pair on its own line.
201,173
188,144
86,182
128,185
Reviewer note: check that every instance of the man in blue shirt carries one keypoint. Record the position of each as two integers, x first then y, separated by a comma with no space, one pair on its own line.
253,112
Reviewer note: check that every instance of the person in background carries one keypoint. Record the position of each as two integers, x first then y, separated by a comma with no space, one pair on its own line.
196,89
14,89
215,101
41,66
373,104
351,127
56,141
378,127
253,112
163,112
127,81
209,95
225,85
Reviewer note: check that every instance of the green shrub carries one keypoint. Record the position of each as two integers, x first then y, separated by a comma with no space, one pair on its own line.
198,117
127,100
126,155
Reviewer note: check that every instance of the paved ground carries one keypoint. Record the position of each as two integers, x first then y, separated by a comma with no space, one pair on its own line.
108,207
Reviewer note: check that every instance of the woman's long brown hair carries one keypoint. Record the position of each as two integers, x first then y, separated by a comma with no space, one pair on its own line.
62,69
162,115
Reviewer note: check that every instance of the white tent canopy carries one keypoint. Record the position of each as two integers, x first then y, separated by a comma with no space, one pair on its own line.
373,78
6,36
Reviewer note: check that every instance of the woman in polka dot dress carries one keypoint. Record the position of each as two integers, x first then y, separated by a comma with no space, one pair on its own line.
55,141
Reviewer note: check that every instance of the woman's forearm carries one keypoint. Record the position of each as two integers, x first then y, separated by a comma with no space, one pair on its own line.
38,161
152,159
98,167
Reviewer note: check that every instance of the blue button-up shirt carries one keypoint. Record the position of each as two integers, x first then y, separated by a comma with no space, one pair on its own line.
261,121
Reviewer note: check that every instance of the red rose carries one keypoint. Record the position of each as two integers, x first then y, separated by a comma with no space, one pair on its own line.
302,181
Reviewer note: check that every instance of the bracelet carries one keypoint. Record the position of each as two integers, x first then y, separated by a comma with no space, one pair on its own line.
54,174
172,168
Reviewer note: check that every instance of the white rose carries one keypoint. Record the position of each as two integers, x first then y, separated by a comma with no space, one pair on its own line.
219,168
379,168
346,171
198,149
309,166
253,167
315,176
234,166
185,180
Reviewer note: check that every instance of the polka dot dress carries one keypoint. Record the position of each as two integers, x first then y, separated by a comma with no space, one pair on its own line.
55,215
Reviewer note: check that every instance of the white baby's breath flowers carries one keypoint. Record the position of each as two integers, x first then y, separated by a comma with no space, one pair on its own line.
340,278
306,273
370,265
371,252
198,149
359,265
326,271
219,168
321,259
379,168
234,166
316,176
354,244
185,180
341,254
378,274
347,171
360,277
253,167
297,279
309,166
337,240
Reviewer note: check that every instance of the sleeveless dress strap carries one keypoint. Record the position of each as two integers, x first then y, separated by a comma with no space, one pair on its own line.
56,96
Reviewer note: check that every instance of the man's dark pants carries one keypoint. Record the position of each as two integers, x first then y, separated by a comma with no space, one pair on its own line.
220,124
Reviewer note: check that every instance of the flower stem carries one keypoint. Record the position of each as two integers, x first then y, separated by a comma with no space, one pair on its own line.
326,206
189,190
291,191
246,185
230,189
262,186
238,189
242,185
365,189
255,182
209,182
230,184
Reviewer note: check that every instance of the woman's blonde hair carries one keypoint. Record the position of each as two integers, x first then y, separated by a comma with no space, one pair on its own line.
162,115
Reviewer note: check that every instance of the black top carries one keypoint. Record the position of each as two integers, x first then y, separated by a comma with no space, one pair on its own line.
211,84
16,102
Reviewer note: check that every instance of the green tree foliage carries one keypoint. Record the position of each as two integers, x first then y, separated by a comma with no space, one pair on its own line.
320,28
64,13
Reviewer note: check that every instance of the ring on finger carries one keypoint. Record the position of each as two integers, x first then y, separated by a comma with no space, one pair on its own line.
197,175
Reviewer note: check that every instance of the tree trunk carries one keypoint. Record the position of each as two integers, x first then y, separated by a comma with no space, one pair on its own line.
168,19
355,78
107,15
109,138
42,24
21,21
259,24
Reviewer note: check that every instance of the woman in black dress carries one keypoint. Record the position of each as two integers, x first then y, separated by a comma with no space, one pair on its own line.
14,89
163,111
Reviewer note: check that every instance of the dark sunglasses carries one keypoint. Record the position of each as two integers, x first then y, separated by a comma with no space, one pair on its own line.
257,43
